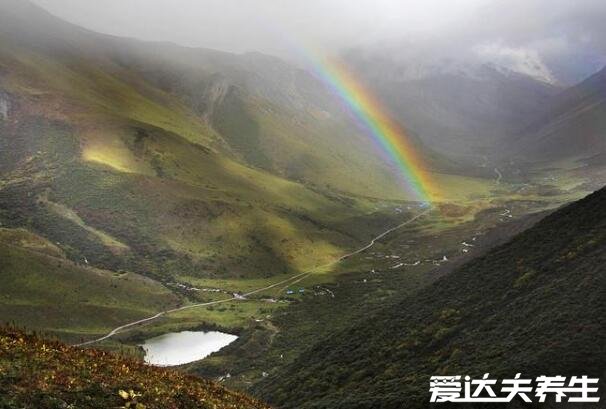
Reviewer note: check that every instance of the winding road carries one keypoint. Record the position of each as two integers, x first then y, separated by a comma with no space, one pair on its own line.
385,233
499,175
291,280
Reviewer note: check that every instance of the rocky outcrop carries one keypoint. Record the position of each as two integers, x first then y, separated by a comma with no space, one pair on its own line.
213,96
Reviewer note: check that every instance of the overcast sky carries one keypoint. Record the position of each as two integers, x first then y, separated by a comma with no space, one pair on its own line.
557,35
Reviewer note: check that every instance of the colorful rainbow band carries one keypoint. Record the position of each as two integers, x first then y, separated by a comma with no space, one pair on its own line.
385,132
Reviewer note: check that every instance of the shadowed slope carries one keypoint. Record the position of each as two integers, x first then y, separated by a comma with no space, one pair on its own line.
535,305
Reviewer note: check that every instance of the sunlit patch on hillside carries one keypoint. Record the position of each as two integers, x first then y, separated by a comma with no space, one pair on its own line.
107,158
456,188
111,151
256,241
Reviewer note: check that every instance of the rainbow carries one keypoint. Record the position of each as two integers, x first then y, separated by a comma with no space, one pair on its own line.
389,135
370,114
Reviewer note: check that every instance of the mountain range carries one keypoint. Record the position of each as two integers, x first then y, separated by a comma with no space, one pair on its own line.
140,177
199,160
464,107
572,125
474,108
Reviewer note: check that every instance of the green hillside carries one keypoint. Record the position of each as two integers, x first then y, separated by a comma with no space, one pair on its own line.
534,305
168,160
45,291
83,150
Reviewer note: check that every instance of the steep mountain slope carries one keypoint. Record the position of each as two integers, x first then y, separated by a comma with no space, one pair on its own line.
258,108
574,126
465,107
45,291
535,305
163,159
39,373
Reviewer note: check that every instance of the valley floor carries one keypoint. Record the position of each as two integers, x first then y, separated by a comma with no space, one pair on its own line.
278,317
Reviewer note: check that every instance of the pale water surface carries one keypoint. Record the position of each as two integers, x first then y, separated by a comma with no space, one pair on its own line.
178,348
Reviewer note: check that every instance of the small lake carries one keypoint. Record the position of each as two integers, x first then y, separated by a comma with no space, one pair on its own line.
177,348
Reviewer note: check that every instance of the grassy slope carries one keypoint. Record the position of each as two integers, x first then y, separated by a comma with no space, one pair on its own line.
38,373
178,160
140,167
122,154
117,171
362,285
534,305
573,126
275,117
49,293
137,175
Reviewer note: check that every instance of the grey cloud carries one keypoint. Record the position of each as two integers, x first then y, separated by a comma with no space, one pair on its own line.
554,29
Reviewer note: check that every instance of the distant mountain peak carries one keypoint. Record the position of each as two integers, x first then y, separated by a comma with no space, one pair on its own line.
519,60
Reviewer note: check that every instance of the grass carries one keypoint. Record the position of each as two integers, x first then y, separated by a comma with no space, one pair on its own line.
29,241
52,294
533,305
242,285
235,314
39,373
462,189
143,173
107,90
352,289
70,215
